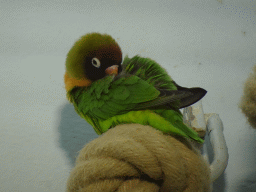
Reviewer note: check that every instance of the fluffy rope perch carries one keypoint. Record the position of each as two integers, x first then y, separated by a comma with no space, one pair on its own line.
136,158
248,101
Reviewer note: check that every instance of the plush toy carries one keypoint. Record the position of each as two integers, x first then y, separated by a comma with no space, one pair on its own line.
106,93
248,101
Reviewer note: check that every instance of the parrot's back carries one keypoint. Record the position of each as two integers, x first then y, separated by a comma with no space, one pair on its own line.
148,70
151,72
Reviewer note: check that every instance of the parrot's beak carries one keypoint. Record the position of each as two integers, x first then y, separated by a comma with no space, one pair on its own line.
113,70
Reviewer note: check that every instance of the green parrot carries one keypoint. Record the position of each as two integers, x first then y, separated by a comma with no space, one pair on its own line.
107,92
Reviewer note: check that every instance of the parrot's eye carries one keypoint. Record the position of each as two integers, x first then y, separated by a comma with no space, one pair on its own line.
96,62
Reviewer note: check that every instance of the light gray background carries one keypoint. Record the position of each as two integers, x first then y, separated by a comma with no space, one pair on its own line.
210,43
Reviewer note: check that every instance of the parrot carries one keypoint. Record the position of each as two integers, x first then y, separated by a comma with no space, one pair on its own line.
106,90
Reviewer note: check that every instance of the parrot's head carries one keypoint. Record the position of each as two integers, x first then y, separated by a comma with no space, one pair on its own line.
92,57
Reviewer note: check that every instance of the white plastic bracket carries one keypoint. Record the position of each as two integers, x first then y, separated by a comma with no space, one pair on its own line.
211,125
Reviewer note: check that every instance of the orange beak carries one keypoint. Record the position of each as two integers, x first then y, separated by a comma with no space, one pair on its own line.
113,70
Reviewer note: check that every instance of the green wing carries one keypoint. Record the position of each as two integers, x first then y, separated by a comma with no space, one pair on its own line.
107,103
106,98
150,71
153,73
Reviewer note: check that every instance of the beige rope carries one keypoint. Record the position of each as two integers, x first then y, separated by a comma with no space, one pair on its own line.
138,158
248,102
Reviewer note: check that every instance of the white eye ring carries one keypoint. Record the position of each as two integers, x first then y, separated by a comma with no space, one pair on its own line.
96,62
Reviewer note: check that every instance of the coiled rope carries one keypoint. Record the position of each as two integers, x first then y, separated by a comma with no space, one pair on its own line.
248,101
136,158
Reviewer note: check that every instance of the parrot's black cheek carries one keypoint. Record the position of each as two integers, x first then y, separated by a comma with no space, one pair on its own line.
91,72
95,74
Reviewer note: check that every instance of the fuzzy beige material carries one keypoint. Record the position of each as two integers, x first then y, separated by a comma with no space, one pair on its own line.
138,158
248,101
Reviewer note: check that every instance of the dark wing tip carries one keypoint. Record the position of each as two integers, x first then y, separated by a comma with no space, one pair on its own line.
197,94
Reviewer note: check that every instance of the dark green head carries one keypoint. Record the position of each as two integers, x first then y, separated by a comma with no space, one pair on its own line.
94,56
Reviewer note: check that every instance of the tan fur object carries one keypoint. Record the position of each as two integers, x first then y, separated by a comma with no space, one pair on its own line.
248,102
138,158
